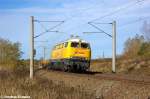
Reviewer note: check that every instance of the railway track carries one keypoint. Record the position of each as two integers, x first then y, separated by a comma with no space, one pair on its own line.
126,78
144,80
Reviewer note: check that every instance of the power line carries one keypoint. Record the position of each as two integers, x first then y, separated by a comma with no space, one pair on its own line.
99,23
134,21
80,11
92,32
48,30
47,21
42,41
102,31
118,10
41,24
43,33
109,14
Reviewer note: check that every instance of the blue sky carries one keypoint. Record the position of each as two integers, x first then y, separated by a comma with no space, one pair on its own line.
15,22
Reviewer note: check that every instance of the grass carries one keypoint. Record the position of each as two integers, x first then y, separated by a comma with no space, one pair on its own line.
13,83
58,86
18,83
125,66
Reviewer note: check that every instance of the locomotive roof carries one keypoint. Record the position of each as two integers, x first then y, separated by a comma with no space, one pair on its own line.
77,40
74,40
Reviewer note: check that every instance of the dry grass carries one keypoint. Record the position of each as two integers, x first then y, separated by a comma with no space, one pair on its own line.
54,85
17,83
125,66
101,88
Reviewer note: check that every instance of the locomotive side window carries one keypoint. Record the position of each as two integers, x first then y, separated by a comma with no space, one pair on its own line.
85,45
63,45
66,44
75,44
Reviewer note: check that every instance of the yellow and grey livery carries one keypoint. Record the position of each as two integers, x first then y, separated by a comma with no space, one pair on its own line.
71,55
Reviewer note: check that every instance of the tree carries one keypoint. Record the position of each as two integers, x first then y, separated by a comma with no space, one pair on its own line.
146,30
145,49
9,53
132,46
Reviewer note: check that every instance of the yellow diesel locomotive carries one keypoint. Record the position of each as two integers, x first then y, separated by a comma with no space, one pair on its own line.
71,55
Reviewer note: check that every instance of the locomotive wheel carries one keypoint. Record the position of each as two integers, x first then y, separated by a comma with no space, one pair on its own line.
65,69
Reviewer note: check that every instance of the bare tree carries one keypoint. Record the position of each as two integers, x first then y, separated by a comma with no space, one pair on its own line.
146,30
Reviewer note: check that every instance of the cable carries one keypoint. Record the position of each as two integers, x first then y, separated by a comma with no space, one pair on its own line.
60,22
42,41
48,30
80,11
44,33
56,26
99,29
47,21
118,10
135,21
41,25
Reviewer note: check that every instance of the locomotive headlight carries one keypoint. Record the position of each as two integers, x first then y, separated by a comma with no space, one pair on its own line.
86,58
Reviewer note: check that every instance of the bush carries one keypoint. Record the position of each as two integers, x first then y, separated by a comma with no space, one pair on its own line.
145,49
132,46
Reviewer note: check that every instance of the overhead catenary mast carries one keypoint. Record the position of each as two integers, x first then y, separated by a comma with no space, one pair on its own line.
32,47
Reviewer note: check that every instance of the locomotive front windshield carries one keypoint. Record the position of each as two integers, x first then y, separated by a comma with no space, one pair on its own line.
80,45
75,44
85,45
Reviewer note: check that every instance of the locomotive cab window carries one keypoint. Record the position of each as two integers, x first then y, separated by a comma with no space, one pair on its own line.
85,45
75,44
